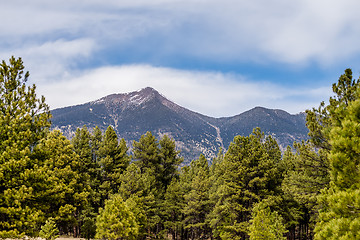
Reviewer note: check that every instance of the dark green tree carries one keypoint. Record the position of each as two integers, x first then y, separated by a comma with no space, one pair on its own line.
197,200
169,161
172,207
114,160
250,173
146,154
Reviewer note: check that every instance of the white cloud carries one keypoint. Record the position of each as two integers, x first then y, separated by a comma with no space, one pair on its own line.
210,93
285,31
53,37
50,61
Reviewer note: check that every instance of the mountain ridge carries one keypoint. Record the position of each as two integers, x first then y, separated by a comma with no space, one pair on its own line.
133,114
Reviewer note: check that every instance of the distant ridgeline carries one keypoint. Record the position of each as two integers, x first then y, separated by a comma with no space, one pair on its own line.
133,114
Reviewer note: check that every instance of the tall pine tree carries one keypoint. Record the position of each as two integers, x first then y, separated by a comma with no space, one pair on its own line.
24,120
250,174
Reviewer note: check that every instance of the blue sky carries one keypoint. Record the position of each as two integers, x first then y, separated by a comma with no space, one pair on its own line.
219,58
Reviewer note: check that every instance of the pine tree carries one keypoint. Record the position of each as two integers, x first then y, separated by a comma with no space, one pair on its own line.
169,161
266,224
250,173
197,200
340,215
114,160
146,154
24,120
140,187
172,208
49,230
116,221
60,190
311,164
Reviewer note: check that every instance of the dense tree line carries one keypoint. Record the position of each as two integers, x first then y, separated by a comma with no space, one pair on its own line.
91,186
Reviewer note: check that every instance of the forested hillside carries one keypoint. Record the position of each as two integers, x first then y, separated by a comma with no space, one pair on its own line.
91,187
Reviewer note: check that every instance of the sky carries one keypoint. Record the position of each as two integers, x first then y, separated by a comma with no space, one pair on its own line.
218,58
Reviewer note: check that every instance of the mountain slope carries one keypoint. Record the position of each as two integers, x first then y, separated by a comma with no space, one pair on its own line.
133,114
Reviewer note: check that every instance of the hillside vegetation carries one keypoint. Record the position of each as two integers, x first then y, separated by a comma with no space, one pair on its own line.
91,187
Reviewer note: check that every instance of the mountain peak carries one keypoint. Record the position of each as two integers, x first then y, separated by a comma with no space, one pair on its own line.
130,99
133,114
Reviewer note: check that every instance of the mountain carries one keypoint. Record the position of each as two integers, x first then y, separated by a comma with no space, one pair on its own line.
133,114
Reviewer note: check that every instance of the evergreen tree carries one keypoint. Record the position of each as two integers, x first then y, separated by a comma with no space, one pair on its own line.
60,191
49,231
340,215
197,199
96,140
87,147
265,224
172,207
140,187
146,154
95,173
81,143
250,173
116,221
24,120
169,161
311,162
114,160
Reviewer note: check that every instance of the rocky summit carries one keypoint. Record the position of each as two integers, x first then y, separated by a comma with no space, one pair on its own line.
133,114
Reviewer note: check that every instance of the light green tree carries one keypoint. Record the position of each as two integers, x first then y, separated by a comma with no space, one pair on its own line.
24,121
340,215
49,230
116,221
266,224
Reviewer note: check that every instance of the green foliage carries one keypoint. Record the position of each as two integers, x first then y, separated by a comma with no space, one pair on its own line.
139,187
24,121
113,160
249,173
169,160
49,231
340,216
88,227
146,154
116,221
60,189
265,224
172,207
250,192
197,200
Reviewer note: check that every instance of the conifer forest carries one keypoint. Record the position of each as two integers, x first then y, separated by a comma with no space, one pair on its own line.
94,186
